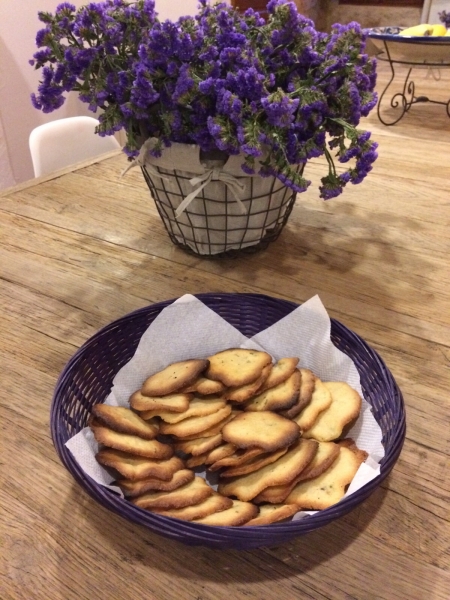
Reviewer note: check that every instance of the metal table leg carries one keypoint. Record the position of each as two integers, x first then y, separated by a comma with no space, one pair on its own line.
407,97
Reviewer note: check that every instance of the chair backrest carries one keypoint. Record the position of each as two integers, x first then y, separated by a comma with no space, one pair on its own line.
63,142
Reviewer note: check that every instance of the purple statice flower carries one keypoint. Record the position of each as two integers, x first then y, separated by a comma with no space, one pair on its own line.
271,87
279,109
444,17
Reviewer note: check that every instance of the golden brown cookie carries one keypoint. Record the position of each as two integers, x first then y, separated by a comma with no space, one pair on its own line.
205,387
201,445
171,403
272,513
198,407
239,457
195,425
351,445
304,396
238,514
220,452
284,470
244,392
131,443
326,454
320,401
327,489
281,371
254,464
344,408
262,429
131,489
174,377
279,397
214,430
237,366
191,493
213,504
124,420
138,467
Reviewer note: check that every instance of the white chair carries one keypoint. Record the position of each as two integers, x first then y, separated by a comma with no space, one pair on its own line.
63,142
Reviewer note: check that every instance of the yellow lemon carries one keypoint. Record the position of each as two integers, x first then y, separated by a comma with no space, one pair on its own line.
418,30
439,30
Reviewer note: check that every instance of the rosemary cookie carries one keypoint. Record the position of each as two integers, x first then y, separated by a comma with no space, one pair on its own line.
237,366
138,467
173,377
264,429
131,489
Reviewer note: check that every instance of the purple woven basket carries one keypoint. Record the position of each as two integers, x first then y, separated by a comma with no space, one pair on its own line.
87,379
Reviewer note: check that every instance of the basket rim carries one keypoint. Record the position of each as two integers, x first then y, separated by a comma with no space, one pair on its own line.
222,536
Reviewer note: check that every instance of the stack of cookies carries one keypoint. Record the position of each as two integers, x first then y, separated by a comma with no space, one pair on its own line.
273,432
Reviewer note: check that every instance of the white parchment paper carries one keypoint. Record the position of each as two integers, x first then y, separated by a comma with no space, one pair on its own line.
188,328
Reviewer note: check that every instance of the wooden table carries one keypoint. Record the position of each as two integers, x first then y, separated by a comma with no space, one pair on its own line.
85,246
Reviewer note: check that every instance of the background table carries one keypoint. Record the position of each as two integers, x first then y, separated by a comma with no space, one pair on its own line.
84,247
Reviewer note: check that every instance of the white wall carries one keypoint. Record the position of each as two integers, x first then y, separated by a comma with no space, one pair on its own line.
18,27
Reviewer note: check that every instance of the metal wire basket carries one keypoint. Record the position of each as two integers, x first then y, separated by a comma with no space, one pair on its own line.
213,224
87,379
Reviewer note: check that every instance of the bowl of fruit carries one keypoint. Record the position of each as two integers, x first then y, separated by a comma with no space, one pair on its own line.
423,45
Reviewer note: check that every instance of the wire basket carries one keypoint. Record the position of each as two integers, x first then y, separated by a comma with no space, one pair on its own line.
87,379
213,224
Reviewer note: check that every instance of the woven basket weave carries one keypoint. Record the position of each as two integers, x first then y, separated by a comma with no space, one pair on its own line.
87,380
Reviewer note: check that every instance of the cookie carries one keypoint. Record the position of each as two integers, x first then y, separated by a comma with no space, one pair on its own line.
213,504
124,420
173,377
305,394
281,371
131,489
201,445
238,514
148,405
214,430
320,401
350,444
220,452
344,408
237,458
327,489
245,392
205,387
272,513
263,429
198,407
191,493
196,461
284,470
237,366
280,397
325,455
138,467
195,425
131,443
254,464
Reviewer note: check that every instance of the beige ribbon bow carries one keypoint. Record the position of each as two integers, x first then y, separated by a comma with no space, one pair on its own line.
216,174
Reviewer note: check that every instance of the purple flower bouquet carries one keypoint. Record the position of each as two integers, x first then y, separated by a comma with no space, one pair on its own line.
271,92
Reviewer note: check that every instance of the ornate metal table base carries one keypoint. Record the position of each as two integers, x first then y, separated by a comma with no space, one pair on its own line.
407,97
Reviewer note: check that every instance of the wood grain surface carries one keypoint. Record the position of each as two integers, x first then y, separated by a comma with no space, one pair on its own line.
85,246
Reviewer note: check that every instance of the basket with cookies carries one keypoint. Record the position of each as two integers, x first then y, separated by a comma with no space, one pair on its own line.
236,440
